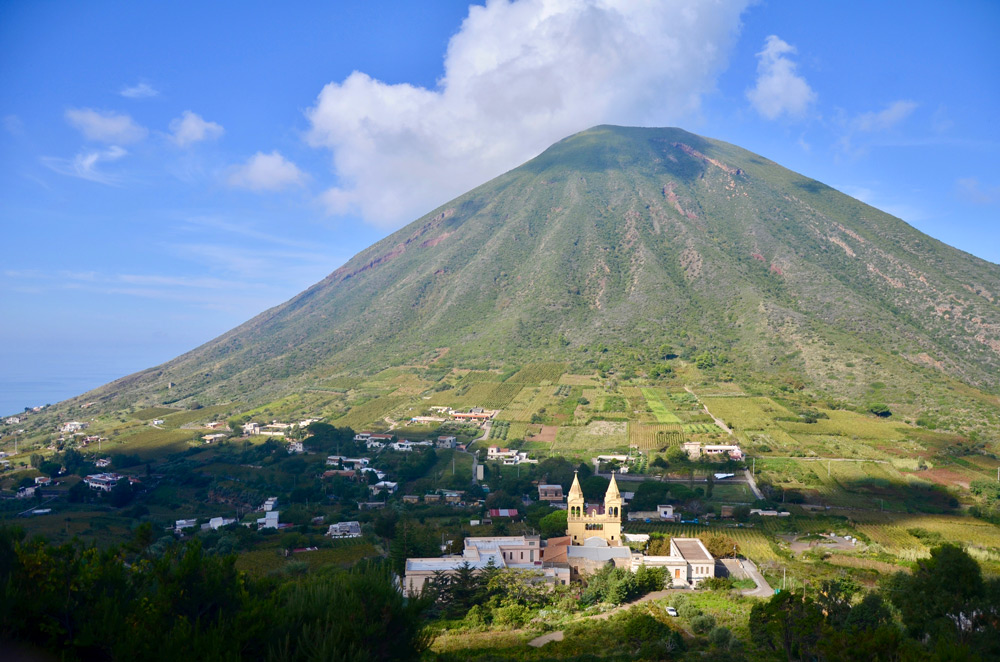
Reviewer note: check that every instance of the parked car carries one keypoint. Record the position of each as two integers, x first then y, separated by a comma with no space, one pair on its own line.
671,611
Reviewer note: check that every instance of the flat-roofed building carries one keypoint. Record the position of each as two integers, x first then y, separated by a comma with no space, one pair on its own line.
517,552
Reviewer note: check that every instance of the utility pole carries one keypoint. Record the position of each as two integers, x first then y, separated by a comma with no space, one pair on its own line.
828,468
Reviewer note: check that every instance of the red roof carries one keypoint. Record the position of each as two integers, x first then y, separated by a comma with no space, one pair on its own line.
503,512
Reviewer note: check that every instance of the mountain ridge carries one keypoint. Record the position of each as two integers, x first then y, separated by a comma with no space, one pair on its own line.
626,239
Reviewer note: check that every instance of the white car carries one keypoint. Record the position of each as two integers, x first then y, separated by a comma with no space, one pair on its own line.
671,611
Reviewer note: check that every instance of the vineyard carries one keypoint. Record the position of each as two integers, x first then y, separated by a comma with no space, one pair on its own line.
373,411
528,402
151,442
578,380
204,414
654,436
851,424
754,544
153,412
538,373
700,428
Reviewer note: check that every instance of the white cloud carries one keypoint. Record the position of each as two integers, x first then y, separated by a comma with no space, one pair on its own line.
190,128
105,126
779,90
892,115
267,172
139,91
85,165
517,77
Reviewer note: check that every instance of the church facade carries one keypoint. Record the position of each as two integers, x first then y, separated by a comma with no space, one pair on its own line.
584,524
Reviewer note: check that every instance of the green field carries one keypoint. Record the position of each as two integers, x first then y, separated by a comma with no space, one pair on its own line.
660,411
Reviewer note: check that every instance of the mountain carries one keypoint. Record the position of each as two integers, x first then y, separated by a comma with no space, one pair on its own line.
609,245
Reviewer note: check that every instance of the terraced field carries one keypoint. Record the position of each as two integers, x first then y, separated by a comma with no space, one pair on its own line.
654,436
604,436
539,373
149,442
660,410
373,411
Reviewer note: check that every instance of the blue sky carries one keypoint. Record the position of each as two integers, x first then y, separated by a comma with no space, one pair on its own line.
169,170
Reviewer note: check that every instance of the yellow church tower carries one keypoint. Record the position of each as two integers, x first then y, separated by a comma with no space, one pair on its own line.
581,525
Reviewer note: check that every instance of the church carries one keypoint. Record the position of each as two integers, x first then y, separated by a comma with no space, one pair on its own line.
583,524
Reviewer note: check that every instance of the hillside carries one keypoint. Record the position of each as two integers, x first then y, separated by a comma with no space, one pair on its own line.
609,245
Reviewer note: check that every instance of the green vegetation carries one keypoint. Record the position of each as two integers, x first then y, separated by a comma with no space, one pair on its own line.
849,355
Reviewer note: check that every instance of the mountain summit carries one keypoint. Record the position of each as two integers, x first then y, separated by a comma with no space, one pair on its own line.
610,245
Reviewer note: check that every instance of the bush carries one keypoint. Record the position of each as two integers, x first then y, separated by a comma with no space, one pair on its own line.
688,611
703,623
720,637
639,628
718,583
511,615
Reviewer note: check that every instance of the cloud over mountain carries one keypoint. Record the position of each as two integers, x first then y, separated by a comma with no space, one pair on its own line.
779,89
517,76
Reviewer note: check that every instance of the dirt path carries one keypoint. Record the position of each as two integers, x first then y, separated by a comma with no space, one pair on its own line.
558,634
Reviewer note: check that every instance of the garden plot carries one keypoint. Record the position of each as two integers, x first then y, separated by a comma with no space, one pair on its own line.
660,410
610,436
654,436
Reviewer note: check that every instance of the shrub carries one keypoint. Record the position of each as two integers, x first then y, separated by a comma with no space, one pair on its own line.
720,637
703,623
511,615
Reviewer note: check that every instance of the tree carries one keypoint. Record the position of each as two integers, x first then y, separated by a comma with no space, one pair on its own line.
594,487
879,409
50,468
945,598
720,545
554,524
788,624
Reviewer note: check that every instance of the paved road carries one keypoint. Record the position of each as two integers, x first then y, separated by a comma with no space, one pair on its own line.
763,589
753,484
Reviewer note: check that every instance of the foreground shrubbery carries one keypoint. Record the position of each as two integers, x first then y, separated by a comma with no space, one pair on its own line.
948,611
80,603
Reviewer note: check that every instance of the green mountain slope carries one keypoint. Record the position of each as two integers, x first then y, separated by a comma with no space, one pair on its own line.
623,239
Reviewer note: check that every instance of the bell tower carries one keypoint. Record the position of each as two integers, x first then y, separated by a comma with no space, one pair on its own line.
581,525
575,515
613,513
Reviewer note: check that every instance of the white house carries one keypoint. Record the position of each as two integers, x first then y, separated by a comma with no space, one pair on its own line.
103,481
103,462
688,564
383,486
447,442
182,524
269,520
212,438
217,523
345,530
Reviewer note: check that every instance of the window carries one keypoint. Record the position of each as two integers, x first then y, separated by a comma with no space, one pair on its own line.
522,556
